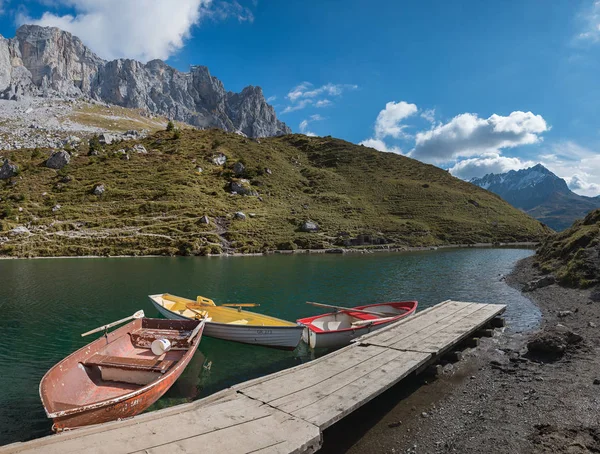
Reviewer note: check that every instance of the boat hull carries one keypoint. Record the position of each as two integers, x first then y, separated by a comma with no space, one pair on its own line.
337,339
335,330
280,337
68,381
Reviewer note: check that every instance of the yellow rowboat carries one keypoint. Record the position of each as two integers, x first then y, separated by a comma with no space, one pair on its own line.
229,323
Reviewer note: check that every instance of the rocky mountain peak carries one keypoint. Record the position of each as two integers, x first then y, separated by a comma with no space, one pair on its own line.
540,193
49,62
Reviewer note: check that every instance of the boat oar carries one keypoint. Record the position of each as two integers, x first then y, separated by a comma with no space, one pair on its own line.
368,322
240,305
350,309
138,314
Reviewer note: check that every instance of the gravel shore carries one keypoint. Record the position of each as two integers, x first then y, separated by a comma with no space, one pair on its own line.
502,397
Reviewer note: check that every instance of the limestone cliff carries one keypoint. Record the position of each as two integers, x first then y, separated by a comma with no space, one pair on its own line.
46,61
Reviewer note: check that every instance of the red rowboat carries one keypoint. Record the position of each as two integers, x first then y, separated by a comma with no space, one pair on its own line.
118,375
339,328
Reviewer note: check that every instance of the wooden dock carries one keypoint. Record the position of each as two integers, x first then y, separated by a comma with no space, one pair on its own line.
284,412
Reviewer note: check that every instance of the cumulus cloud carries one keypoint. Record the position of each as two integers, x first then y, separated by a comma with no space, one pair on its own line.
478,167
389,120
305,94
468,135
380,145
138,29
304,124
389,124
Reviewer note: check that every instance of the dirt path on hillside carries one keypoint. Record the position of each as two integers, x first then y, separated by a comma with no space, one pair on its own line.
500,398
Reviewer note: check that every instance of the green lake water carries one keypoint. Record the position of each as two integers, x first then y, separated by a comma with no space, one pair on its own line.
46,304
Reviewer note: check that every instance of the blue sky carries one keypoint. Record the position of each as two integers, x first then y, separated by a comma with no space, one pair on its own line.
472,86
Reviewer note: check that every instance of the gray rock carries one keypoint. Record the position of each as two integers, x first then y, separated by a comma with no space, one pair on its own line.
108,138
552,343
20,230
252,215
219,160
309,226
56,208
99,190
204,220
199,169
8,170
242,187
239,169
563,314
541,282
268,171
58,160
239,215
139,148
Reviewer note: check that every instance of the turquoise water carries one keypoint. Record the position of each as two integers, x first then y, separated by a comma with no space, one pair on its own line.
46,304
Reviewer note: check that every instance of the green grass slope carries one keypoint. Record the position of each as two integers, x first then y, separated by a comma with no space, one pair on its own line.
154,202
574,255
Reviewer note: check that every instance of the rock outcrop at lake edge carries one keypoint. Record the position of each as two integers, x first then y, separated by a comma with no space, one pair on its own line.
574,255
49,62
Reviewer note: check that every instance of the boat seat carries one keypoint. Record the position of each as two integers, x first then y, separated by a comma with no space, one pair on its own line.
141,364
238,322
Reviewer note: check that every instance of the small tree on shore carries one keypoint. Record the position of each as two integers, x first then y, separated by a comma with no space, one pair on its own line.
170,126
176,133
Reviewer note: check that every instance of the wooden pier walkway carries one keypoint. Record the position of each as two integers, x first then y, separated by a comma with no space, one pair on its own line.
287,411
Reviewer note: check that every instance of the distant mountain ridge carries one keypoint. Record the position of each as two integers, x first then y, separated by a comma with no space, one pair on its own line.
49,62
541,194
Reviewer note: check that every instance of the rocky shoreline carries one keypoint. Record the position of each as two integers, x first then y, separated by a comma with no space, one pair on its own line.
306,251
531,392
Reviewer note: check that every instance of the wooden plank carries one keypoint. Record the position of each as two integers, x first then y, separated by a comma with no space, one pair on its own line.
232,414
310,374
381,360
408,327
461,329
334,407
415,340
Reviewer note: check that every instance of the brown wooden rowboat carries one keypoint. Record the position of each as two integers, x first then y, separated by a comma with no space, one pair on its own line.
117,376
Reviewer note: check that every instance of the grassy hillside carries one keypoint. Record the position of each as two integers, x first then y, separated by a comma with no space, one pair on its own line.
154,202
574,255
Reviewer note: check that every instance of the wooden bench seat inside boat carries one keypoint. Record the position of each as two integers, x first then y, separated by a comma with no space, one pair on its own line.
139,371
121,362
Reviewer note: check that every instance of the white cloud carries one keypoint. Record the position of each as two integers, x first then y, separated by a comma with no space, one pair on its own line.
591,23
429,115
305,94
221,10
579,166
468,135
271,99
323,103
299,106
389,124
389,120
380,145
478,167
138,29
304,124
